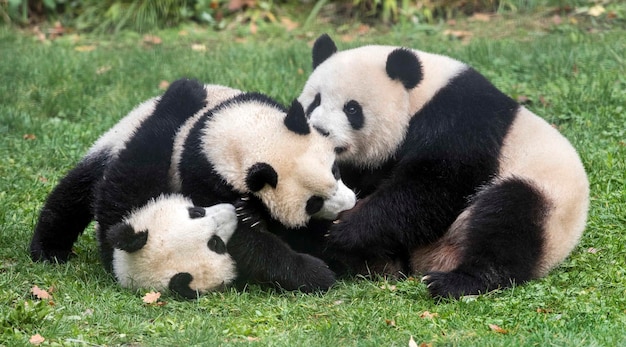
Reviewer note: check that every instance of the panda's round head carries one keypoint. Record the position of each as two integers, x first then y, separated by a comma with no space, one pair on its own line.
171,244
259,147
360,98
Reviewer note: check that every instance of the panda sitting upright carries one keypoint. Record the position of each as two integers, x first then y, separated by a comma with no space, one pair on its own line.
456,180
302,183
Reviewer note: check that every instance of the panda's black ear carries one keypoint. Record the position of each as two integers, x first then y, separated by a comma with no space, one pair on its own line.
403,65
179,284
259,175
296,119
323,48
123,236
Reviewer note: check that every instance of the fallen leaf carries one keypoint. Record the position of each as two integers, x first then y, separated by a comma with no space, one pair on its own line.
252,338
424,344
85,48
497,329
596,10
288,24
523,99
412,342
462,35
40,294
29,137
592,250
390,322
481,17
102,69
198,47
428,315
36,339
152,39
544,310
164,84
151,297
42,179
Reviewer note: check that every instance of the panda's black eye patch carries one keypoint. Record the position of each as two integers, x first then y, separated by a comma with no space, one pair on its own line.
217,245
196,212
314,205
354,112
316,102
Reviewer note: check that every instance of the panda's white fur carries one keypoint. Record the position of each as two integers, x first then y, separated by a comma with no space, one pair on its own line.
176,243
243,132
434,146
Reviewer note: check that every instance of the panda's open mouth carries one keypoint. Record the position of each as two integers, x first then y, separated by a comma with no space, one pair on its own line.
339,150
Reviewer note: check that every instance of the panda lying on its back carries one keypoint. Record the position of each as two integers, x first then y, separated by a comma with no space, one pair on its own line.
457,181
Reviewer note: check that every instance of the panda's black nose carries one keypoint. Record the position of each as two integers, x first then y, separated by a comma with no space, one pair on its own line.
321,131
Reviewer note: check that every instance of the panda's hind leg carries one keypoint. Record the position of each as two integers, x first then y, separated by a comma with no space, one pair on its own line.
67,211
503,241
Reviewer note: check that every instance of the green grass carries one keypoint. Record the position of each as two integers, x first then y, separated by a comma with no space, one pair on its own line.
66,98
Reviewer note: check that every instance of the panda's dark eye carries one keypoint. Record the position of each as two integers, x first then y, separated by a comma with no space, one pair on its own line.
335,171
354,112
196,212
217,245
314,205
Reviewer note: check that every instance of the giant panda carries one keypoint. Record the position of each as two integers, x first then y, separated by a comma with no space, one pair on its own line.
456,180
171,244
252,146
99,186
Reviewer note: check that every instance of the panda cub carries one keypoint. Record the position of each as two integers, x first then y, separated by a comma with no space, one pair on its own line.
171,244
456,180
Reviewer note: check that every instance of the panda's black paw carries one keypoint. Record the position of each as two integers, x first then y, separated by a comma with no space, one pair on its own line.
313,275
249,214
37,253
452,284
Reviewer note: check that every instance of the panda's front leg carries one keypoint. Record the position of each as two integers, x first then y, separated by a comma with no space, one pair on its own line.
394,218
262,257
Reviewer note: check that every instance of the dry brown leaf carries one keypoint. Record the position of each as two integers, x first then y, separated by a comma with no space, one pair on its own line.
103,69
428,315
85,48
481,17
40,294
497,329
253,338
29,137
151,297
288,24
164,84
459,34
152,39
592,250
390,322
412,342
36,339
198,47
235,5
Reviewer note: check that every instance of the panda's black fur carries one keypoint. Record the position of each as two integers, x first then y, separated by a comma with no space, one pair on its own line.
455,179
100,186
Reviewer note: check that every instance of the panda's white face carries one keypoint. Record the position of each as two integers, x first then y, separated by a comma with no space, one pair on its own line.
181,238
351,98
293,174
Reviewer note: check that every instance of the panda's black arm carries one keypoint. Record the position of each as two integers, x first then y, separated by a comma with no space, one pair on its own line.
404,212
263,258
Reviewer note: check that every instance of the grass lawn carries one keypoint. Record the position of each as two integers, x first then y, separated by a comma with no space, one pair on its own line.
57,97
